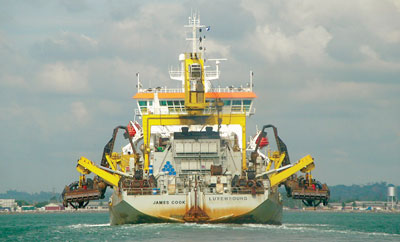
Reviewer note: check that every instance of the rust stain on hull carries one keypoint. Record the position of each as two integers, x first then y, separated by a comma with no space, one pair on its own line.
265,211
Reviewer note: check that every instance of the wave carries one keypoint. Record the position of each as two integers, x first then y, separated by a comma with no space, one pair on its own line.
322,228
307,228
205,225
77,226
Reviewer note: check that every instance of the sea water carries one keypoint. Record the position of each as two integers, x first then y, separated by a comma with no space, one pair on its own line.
297,226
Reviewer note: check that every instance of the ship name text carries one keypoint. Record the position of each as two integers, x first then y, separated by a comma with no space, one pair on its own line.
223,198
166,202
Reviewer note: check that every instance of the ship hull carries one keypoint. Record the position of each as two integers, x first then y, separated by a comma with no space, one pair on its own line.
225,208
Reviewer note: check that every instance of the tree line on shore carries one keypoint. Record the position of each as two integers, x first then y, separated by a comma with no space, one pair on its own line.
38,199
339,193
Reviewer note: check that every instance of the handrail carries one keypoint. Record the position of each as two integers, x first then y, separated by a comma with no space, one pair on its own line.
210,110
181,90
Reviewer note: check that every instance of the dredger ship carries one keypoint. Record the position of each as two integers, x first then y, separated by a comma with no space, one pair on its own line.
189,161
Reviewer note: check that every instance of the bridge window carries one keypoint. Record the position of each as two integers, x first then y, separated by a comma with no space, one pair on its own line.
227,102
173,105
195,71
143,106
237,103
247,102
246,105
236,106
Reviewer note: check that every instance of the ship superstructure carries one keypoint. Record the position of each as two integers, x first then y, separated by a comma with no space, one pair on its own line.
189,160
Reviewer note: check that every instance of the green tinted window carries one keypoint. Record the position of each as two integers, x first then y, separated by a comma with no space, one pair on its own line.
142,103
246,102
227,102
163,103
237,102
176,103
170,103
195,71
211,101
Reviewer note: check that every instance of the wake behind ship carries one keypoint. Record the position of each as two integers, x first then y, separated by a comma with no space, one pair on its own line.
189,161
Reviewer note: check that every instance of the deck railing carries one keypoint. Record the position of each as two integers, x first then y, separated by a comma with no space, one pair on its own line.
181,90
232,110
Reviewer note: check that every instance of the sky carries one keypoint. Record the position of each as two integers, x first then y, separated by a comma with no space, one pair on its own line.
326,73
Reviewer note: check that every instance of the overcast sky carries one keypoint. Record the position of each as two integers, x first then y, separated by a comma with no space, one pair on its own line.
327,74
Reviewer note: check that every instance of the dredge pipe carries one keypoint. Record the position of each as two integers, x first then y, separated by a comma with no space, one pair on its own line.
114,171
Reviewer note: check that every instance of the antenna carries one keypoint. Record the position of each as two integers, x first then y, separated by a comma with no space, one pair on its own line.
194,24
251,80
139,85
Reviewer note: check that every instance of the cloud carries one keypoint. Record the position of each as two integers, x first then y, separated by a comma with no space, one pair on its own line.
10,112
118,75
328,33
217,49
153,26
65,46
392,36
16,114
63,79
308,44
373,60
110,107
75,5
326,74
79,113
321,90
10,57
10,80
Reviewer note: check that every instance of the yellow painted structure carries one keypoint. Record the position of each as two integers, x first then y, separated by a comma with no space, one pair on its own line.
85,166
119,159
276,159
171,119
195,103
195,100
280,177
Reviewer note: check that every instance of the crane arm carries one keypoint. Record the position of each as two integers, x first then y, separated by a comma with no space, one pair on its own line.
85,166
306,162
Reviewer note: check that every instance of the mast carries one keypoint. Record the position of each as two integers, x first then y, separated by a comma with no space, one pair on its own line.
194,24
195,101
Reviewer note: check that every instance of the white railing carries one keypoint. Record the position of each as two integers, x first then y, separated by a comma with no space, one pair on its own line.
230,89
211,75
181,90
162,90
176,75
208,110
137,112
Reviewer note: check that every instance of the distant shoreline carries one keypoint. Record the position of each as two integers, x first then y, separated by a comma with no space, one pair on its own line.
289,210
59,211
343,211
